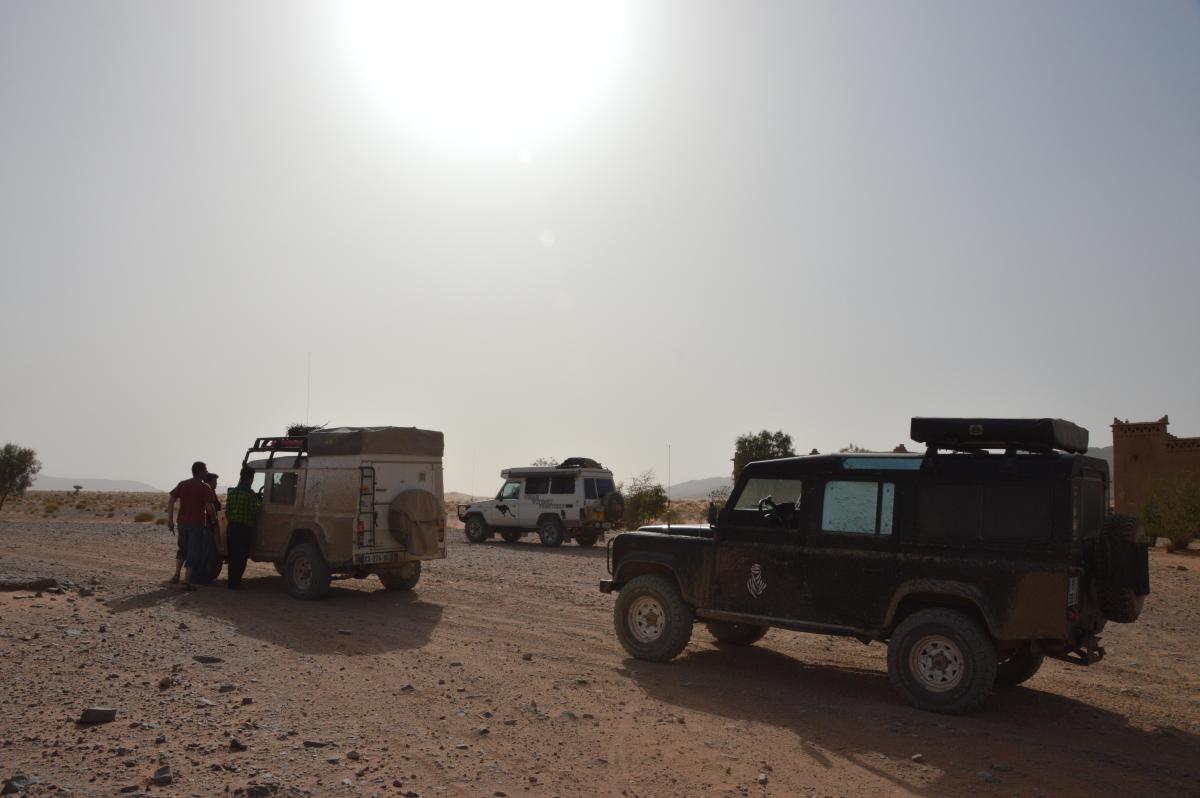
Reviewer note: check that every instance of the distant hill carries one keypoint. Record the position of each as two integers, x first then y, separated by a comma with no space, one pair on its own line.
699,488
42,482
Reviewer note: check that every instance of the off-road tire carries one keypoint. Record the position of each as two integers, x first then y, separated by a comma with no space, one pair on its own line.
652,620
1018,667
509,536
550,530
586,539
941,660
735,634
306,572
475,528
394,578
1118,540
614,507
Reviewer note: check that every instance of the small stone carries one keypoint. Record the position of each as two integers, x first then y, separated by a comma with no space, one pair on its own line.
16,784
762,778
236,745
345,631
1129,691
160,739
397,783
315,743
917,757
355,755
567,714
163,776
456,664
408,688
333,760
527,656
98,715
226,688
247,701
206,659
462,746
1003,767
204,703
988,776
483,730
84,592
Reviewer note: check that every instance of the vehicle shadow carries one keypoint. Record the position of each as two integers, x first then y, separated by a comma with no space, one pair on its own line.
531,545
350,620
851,714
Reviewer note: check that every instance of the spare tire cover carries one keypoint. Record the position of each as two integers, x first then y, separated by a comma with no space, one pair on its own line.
415,519
614,507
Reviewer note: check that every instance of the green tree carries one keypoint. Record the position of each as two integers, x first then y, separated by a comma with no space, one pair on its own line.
645,499
545,461
854,449
764,445
18,467
1173,509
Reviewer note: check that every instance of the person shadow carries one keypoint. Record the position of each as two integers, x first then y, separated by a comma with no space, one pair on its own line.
1057,744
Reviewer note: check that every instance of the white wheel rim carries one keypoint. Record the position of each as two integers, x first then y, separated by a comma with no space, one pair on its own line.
937,662
647,619
302,573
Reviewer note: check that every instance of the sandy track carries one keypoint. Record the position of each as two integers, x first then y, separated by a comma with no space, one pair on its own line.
500,674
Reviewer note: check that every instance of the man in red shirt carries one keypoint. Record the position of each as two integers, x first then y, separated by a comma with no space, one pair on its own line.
197,503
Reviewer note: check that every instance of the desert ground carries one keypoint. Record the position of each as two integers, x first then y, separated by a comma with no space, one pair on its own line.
500,676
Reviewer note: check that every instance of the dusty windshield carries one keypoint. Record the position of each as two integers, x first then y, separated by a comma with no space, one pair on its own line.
511,490
781,491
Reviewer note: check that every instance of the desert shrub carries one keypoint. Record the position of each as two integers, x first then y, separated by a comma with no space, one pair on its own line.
18,467
1173,509
81,506
645,500
142,517
50,508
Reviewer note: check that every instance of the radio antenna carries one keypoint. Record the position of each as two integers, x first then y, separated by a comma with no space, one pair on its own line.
668,486
308,390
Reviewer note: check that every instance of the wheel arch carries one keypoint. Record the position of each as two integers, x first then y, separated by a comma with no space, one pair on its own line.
930,594
314,535
631,569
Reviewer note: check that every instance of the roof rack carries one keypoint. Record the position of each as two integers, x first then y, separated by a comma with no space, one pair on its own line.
290,443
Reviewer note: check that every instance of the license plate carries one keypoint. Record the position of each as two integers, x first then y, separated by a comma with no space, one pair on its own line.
374,557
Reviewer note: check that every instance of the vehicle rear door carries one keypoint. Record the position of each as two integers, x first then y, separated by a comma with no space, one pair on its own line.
758,567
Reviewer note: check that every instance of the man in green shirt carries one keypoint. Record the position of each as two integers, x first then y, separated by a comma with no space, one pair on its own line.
242,507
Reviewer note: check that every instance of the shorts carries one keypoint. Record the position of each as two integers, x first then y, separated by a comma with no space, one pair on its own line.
181,542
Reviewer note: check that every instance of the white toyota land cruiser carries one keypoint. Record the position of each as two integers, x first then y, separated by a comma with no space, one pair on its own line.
576,499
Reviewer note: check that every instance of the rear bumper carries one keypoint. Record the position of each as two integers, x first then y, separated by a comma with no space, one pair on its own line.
606,585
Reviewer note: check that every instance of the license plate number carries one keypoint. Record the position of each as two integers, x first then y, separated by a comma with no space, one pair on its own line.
374,557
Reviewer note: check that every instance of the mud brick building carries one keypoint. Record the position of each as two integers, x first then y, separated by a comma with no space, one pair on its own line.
1143,453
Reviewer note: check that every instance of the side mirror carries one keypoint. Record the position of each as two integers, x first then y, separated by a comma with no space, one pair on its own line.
713,514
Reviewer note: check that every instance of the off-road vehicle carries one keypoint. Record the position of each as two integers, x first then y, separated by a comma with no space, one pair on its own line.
348,502
574,500
973,561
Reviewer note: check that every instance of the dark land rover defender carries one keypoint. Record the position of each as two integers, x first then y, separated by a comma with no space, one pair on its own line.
973,561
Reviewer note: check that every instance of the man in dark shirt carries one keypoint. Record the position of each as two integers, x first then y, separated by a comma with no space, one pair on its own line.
197,502
242,507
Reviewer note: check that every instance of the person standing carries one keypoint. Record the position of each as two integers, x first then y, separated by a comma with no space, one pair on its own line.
212,551
242,507
197,502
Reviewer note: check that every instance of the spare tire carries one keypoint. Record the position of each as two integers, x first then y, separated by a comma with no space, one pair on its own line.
1119,563
417,520
614,507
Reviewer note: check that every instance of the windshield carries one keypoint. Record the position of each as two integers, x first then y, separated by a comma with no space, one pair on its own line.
511,490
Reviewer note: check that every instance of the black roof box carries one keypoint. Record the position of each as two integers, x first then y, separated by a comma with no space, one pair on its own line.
579,462
1000,433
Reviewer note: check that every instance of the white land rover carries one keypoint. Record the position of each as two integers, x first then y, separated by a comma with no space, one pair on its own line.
576,499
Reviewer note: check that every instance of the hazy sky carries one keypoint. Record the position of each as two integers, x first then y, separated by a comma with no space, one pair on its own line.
820,217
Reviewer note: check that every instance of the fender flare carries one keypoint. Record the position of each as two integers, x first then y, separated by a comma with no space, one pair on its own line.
654,563
933,590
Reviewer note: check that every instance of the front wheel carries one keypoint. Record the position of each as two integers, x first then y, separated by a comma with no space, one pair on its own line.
509,536
941,660
1018,667
735,634
306,572
404,578
652,620
586,539
550,531
476,529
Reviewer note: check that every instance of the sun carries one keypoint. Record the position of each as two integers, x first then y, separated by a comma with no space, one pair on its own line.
488,73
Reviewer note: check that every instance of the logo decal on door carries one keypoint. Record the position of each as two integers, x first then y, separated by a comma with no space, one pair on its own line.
755,583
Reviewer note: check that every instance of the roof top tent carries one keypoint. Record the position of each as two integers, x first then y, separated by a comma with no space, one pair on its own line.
1027,434
353,441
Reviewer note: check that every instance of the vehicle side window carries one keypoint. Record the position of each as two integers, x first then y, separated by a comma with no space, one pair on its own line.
536,486
604,487
283,487
511,490
562,485
589,489
859,508
781,491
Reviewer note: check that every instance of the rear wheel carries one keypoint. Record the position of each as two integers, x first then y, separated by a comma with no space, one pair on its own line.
735,634
586,539
940,660
403,578
652,620
550,531
509,536
476,528
306,572
1017,667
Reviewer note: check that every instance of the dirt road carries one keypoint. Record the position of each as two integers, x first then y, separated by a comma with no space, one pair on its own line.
500,676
